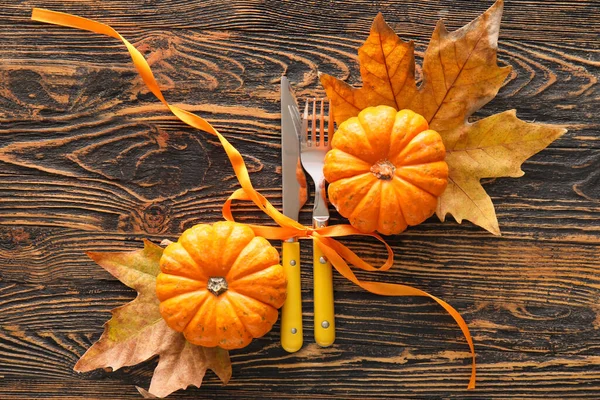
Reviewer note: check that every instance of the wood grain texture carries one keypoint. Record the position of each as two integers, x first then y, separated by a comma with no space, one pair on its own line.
89,160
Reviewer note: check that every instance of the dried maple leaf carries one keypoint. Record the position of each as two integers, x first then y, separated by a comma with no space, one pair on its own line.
137,331
460,75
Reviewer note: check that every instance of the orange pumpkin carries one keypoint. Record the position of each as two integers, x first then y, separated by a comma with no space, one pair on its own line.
220,285
386,170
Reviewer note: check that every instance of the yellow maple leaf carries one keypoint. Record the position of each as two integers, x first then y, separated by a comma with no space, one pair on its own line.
460,75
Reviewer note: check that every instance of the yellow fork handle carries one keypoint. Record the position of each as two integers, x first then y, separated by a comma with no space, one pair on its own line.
323,299
291,313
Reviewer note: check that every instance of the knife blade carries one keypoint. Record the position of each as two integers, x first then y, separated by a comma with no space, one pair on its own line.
294,196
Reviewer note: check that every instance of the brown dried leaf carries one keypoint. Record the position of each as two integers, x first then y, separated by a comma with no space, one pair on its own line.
137,331
460,75
387,68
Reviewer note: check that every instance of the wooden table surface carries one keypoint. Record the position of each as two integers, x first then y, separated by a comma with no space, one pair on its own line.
90,160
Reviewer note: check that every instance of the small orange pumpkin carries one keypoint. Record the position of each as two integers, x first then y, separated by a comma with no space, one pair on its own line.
386,170
220,285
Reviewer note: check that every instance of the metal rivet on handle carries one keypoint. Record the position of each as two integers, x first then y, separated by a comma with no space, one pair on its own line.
293,263
325,324
294,331
322,260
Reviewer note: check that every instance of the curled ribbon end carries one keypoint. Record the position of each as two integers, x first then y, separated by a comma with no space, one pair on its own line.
473,376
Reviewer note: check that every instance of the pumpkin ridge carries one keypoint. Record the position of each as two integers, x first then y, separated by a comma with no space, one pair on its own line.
238,306
196,308
375,186
267,288
184,277
240,277
355,177
409,149
336,162
261,265
416,164
233,305
169,258
182,274
406,139
235,292
379,143
366,196
400,203
191,291
403,179
247,296
225,334
392,154
382,216
229,242
220,260
420,164
209,322
343,140
202,228
169,285
357,157
351,181
379,213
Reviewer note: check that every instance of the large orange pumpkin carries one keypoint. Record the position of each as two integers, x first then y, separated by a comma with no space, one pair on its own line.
386,170
220,285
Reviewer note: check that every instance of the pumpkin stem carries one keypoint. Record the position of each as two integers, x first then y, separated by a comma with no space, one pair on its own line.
383,170
217,285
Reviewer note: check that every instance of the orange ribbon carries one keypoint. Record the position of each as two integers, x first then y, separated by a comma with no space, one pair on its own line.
338,254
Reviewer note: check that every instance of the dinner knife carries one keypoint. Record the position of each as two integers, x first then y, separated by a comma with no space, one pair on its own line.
294,196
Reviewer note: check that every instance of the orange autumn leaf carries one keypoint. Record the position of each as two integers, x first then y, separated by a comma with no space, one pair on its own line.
136,332
460,75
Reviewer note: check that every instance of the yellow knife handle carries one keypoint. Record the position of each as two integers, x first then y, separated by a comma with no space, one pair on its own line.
291,313
323,299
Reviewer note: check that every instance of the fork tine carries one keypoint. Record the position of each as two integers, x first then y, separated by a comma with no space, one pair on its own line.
330,123
322,124
314,123
318,125
304,131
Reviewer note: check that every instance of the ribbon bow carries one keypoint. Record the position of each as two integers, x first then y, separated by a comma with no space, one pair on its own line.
338,254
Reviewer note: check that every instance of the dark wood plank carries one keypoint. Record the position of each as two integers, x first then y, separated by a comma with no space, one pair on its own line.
512,324
536,378
392,350
549,21
201,63
91,161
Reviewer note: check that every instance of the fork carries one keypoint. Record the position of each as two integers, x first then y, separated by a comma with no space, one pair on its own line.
313,148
